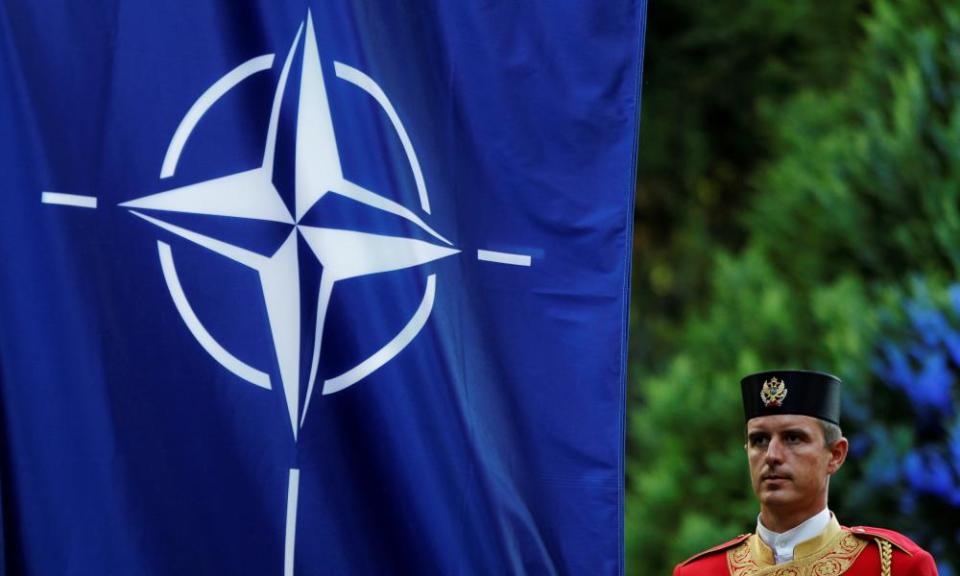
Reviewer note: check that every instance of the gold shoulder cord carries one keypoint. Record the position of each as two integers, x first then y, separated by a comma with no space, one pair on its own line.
886,552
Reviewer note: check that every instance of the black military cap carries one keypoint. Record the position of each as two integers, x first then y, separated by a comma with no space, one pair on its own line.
803,392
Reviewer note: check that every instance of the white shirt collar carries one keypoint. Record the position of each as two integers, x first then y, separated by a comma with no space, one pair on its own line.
783,544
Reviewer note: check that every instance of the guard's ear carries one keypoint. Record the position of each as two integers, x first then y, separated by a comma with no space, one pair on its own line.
838,454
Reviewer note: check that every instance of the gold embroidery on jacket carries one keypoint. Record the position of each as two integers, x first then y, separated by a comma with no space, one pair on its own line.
836,559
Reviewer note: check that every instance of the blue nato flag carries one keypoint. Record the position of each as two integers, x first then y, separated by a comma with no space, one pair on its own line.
315,287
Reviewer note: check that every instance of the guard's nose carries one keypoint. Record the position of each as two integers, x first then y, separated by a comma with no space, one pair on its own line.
774,454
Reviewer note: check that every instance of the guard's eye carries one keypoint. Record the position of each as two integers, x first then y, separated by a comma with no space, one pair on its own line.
793,438
758,440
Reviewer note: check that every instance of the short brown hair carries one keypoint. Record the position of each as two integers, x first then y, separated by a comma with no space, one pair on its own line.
831,432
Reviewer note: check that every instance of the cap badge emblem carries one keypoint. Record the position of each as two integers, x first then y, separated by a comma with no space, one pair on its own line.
773,393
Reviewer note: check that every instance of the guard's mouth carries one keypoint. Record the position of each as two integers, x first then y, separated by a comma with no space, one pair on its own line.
775,477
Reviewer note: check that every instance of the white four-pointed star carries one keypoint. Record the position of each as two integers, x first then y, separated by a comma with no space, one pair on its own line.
342,253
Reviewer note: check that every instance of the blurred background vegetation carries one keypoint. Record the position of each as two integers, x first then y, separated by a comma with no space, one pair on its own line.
798,205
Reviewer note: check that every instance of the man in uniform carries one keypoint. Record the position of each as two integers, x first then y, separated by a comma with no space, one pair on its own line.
793,446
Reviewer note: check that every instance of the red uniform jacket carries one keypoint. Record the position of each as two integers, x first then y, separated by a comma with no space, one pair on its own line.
857,551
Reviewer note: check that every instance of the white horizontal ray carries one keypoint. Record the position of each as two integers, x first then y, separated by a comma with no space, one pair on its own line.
391,348
62,199
366,83
203,104
317,166
248,194
206,340
347,254
235,253
504,257
362,195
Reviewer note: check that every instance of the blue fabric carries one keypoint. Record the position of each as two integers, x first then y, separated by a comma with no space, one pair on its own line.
490,443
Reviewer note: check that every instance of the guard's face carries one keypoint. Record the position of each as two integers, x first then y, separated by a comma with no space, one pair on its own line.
789,464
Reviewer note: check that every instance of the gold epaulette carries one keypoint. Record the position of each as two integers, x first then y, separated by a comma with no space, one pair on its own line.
886,555
889,536
885,540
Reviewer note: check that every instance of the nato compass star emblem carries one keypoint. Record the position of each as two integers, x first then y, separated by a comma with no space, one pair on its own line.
343,254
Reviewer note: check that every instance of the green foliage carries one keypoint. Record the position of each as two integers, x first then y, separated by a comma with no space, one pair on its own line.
710,69
866,177
850,142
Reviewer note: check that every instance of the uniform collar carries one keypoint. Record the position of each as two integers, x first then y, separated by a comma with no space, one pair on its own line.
801,540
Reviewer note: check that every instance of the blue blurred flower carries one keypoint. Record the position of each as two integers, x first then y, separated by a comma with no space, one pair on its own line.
954,444
929,323
929,389
896,368
954,292
932,386
928,472
952,342
918,451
